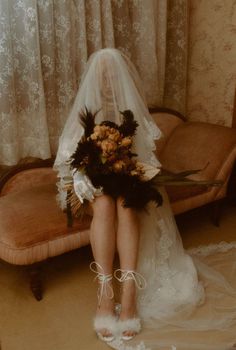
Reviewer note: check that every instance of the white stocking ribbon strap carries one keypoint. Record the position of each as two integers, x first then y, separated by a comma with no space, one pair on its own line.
103,279
131,275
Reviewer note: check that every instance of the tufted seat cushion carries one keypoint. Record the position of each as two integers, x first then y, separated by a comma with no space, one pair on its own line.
33,227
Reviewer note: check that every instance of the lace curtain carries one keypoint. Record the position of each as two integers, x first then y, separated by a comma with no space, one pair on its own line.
44,46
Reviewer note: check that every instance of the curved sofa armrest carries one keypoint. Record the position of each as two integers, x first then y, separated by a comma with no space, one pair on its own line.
167,120
170,111
198,145
22,176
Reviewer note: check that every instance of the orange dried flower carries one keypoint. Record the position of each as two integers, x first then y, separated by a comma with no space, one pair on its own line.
108,146
97,128
119,165
126,141
137,170
100,131
94,136
114,136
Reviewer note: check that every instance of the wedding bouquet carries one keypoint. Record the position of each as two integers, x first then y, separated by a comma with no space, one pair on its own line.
104,154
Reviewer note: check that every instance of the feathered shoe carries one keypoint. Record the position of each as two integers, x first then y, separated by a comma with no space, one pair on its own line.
134,324
106,322
131,325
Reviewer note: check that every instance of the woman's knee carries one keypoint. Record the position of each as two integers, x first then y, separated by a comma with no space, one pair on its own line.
104,205
130,213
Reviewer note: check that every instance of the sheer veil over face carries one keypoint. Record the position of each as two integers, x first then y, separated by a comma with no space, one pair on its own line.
110,84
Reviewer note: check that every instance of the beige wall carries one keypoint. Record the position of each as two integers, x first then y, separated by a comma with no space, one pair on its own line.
212,60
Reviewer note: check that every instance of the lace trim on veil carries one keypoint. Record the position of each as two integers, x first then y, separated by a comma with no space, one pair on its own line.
153,133
205,250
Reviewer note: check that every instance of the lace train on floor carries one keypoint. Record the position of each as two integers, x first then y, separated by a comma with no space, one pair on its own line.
190,299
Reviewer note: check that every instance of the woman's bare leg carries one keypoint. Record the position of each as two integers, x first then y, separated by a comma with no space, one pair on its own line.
103,242
127,245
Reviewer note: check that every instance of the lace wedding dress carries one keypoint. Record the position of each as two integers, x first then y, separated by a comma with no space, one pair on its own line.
188,302
190,299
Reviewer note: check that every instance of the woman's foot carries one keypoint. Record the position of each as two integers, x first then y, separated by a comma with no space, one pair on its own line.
105,320
129,324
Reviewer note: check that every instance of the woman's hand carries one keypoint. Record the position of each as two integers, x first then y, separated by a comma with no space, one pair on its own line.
83,187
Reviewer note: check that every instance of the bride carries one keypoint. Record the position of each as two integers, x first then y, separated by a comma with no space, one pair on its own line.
171,292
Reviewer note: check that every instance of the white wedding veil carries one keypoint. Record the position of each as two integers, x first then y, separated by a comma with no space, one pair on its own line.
109,84
172,307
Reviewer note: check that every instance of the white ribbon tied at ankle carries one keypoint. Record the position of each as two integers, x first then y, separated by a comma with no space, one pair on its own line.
131,275
103,279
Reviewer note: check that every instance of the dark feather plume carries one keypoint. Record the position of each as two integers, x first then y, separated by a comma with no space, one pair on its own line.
87,120
85,149
110,124
135,192
129,125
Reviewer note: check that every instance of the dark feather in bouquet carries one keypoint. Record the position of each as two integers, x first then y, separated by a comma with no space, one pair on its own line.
129,125
87,120
86,151
135,192
84,155
105,155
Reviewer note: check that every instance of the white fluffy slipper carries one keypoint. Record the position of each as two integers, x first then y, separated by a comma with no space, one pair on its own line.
133,325
105,322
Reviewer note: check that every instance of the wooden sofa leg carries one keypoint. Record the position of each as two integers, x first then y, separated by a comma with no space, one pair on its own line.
216,212
35,281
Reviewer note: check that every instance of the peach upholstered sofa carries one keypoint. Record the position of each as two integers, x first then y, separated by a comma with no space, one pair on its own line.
197,145
33,228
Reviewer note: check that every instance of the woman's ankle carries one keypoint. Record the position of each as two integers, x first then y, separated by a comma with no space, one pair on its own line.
106,307
128,300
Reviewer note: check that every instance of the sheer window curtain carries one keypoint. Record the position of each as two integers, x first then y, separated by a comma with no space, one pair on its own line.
44,46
